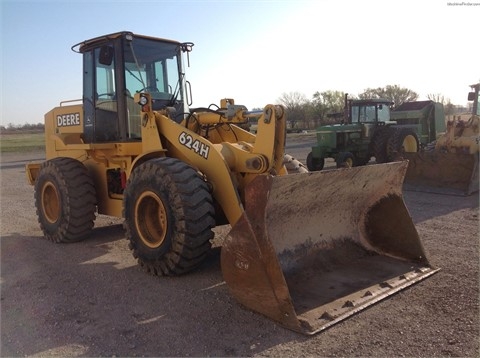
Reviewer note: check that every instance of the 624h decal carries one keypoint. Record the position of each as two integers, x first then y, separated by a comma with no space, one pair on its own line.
194,144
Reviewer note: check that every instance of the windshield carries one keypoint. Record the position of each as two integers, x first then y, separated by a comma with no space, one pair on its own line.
370,113
153,67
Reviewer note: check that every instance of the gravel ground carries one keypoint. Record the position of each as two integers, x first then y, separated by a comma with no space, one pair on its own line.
91,298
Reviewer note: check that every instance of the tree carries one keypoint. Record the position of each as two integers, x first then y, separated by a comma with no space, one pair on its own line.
395,93
295,105
447,104
437,97
327,102
449,108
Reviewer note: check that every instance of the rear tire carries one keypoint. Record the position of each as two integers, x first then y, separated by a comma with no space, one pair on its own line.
65,200
169,215
315,164
379,144
402,141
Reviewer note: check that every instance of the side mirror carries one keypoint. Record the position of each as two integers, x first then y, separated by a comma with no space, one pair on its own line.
471,96
106,55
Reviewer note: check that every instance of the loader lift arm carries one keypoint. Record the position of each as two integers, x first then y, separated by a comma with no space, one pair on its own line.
230,155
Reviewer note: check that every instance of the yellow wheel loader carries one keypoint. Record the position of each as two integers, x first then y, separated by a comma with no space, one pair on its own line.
450,164
305,249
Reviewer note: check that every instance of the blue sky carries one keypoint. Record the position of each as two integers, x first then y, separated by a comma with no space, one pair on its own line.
253,51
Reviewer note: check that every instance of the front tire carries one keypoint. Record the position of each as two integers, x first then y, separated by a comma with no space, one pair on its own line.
169,215
65,200
359,161
345,160
315,164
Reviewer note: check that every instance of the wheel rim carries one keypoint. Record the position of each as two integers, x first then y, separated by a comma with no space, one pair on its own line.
349,162
50,202
151,219
410,144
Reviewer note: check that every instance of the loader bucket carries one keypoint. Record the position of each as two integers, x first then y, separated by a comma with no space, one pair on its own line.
444,173
312,249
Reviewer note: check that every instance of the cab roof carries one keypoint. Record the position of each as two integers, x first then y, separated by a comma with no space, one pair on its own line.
371,101
97,41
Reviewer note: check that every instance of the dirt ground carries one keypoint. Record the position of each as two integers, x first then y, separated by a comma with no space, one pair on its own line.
91,298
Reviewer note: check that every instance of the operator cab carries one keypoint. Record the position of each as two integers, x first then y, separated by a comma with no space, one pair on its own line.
117,66
370,111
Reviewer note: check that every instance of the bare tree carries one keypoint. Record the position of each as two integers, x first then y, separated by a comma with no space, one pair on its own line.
447,104
295,104
327,102
437,97
395,93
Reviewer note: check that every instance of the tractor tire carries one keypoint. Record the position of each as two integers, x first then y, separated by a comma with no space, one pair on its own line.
359,161
379,144
345,160
169,214
65,199
315,164
402,141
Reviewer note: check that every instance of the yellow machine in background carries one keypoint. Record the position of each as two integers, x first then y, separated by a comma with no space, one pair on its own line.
451,166
462,135
306,249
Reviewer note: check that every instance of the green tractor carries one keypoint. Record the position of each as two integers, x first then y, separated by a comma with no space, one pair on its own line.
368,130
363,133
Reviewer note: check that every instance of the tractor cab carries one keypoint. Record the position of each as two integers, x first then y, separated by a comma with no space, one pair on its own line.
117,66
349,143
368,114
369,110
